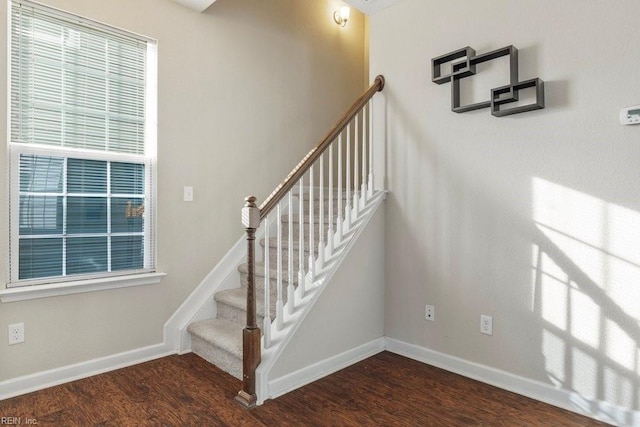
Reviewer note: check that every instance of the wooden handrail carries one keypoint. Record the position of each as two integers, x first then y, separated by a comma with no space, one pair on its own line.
252,216
308,160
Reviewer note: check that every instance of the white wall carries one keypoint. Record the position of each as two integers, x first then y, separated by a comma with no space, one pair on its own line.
474,198
245,90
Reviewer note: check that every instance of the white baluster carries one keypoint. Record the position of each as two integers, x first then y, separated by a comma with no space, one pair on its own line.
330,233
301,272
279,303
266,327
356,173
370,107
347,208
320,262
363,190
312,231
291,303
340,213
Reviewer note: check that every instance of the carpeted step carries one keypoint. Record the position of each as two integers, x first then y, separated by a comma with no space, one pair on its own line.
218,341
232,304
316,202
273,276
306,223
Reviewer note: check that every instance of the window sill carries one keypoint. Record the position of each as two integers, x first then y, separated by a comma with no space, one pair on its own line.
53,290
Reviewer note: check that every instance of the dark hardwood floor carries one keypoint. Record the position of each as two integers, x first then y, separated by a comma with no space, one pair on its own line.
384,390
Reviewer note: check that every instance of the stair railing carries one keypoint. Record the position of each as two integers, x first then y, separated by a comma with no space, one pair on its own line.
351,137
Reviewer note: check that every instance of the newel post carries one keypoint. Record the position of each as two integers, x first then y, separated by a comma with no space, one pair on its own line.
251,334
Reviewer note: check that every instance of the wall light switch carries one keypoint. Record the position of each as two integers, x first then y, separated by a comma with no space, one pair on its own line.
630,115
188,194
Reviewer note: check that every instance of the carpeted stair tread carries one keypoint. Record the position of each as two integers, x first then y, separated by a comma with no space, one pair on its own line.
326,193
305,219
220,333
235,297
273,243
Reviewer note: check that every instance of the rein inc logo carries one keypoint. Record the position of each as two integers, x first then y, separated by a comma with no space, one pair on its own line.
17,421
463,64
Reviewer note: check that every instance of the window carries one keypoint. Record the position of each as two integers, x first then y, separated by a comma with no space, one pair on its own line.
82,148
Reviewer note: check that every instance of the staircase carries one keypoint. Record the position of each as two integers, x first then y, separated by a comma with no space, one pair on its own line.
304,230
219,340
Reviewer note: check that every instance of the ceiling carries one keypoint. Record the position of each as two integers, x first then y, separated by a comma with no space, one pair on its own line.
197,5
367,7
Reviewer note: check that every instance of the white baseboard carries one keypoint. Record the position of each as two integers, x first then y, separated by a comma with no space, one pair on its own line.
562,398
309,374
546,393
41,380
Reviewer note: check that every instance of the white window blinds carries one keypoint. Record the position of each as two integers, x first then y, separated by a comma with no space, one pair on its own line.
82,148
75,86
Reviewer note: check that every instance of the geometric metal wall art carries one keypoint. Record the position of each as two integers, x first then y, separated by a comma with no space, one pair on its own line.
500,97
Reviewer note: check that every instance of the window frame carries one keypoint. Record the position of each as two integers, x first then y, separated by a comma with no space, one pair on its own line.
17,289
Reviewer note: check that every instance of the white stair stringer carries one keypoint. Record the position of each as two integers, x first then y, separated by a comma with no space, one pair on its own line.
304,303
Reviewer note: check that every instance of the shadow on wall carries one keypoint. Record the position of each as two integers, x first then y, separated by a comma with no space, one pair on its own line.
586,279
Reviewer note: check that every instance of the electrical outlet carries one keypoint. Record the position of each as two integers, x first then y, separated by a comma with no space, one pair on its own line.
430,313
16,333
486,324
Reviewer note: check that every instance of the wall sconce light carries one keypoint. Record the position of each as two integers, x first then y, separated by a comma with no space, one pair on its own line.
341,16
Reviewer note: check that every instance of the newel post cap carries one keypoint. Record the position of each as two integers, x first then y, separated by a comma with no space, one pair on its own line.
250,213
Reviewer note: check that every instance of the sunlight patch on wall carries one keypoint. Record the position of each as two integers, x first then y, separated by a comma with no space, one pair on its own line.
586,265
568,211
587,368
584,312
620,346
617,388
554,301
602,239
554,349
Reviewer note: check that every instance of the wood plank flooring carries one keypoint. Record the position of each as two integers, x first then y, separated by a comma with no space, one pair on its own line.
384,390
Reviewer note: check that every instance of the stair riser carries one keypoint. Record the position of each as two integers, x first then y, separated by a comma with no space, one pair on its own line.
219,357
316,202
316,195
273,283
316,207
237,315
296,230
273,262
295,254
273,258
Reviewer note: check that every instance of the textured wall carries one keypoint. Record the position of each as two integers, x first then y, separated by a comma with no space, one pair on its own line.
532,218
245,89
